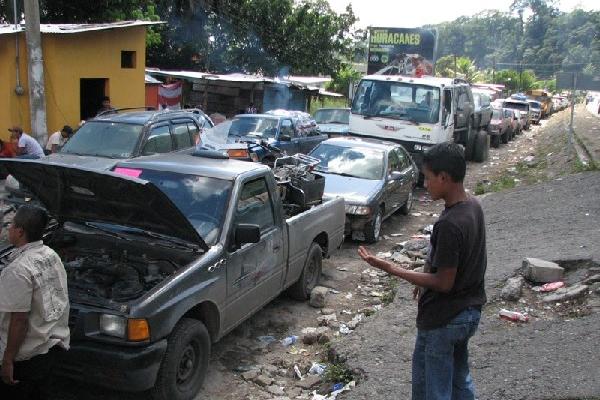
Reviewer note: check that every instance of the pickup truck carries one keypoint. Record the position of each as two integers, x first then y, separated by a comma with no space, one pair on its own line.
168,253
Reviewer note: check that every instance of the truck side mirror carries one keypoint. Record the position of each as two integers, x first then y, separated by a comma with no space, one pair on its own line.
246,233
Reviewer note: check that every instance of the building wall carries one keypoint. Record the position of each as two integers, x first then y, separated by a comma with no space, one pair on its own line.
67,59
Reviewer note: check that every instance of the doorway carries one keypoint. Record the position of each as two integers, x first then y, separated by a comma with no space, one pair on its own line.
90,94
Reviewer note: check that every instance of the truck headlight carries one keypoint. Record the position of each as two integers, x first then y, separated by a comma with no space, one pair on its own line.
357,210
113,325
133,329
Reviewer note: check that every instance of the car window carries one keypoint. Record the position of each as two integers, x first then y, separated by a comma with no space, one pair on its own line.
159,141
255,206
288,129
403,158
393,162
181,134
194,132
104,139
358,162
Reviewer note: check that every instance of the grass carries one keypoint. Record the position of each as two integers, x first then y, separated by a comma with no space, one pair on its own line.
333,102
338,373
504,182
390,292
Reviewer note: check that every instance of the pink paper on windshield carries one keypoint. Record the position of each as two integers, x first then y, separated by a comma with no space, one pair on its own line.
134,173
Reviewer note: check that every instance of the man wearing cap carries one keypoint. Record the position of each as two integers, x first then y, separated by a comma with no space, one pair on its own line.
27,146
58,139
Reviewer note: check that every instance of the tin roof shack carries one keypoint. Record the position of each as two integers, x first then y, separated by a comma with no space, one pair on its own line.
152,86
82,64
230,94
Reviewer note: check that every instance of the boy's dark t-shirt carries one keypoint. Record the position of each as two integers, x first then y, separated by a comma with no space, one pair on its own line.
457,240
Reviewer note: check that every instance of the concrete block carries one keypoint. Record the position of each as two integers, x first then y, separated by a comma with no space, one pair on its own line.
542,271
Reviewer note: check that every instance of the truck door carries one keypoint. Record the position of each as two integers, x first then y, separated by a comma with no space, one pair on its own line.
287,131
254,271
448,111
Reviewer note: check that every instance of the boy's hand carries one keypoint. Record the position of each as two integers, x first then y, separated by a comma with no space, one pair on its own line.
372,260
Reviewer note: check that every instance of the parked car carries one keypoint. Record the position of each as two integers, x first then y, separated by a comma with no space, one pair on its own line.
499,127
166,255
116,135
523,108
514,122
520,121
303,122
535,110
266,136
375,178
482,112
333,121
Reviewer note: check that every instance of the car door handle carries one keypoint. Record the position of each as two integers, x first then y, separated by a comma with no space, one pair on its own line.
276,248
217,265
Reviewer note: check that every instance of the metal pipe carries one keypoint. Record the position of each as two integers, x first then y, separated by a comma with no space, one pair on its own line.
18,88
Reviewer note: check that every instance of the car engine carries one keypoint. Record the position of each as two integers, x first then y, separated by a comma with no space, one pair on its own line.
117,276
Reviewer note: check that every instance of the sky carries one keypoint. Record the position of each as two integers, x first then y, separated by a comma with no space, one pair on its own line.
415,13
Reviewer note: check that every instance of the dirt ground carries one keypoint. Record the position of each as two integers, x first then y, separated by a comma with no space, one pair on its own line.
354,289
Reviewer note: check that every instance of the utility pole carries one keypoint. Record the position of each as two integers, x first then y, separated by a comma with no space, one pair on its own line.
520,76
494,71
454,65
35,68
572,110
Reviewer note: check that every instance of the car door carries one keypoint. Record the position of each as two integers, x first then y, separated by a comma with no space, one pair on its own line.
286,130
254,271
393,184
408,173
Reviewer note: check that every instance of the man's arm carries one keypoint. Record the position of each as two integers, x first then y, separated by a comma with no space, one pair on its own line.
440,281
17,329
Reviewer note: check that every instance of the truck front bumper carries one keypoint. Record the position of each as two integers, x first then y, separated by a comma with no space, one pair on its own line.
130,369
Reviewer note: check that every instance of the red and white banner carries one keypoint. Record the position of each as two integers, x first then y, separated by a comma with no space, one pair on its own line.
170,95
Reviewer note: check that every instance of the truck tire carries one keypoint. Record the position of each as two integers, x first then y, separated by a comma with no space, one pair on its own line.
373,230
185,362
469,141
309,278
482,147
495,141
506,136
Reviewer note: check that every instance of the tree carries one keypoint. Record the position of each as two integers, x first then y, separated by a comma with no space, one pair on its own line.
343,78
462,67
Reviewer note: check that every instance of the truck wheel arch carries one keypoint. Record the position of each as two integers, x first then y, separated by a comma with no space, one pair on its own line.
208,313
322,240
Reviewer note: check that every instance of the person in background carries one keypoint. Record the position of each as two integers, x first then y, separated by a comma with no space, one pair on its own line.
7,149
34,309
58,139
106,106
27,147
251,109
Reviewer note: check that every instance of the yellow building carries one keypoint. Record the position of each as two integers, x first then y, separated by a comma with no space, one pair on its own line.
82,64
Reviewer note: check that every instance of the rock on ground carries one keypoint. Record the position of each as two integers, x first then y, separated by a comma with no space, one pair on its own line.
512,290
318,296
542,271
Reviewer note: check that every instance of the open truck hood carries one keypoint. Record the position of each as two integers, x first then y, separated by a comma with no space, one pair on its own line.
83,195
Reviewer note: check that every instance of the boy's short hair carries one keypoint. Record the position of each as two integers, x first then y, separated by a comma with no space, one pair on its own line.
32,220
446,157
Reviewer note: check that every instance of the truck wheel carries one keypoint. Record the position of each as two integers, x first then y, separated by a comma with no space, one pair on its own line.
405,209
506,136
373,230
469,142
310,274
185,363
482,147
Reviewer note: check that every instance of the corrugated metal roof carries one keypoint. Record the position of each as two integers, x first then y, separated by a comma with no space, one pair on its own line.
78,28
149,79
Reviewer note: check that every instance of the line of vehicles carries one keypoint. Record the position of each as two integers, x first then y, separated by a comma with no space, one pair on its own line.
173,231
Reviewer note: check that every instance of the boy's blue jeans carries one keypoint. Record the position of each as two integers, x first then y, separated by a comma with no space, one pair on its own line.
440,367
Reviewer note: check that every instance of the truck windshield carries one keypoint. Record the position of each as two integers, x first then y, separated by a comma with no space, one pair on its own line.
516,106
261,127
355,162
397,100
200,199
104,139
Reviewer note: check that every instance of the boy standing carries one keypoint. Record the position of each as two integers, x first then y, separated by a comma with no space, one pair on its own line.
452,285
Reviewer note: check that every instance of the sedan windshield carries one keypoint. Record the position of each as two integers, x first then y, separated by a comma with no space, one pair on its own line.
332,116
200,199
397,100
356,162
104,139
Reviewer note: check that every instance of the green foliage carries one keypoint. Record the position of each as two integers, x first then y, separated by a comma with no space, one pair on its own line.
462,67
327,102
343,78
337,373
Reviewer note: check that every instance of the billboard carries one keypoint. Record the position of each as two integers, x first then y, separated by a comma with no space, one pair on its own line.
404,51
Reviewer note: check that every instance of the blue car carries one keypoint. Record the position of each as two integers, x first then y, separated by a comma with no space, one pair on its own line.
266,136
333,121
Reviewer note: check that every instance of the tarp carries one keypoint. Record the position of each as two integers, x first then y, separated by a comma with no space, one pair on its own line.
170,94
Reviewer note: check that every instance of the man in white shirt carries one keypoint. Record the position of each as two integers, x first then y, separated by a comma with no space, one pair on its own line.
34,309
58,139
28,147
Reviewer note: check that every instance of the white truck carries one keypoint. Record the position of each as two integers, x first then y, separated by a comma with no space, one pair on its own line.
417,113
